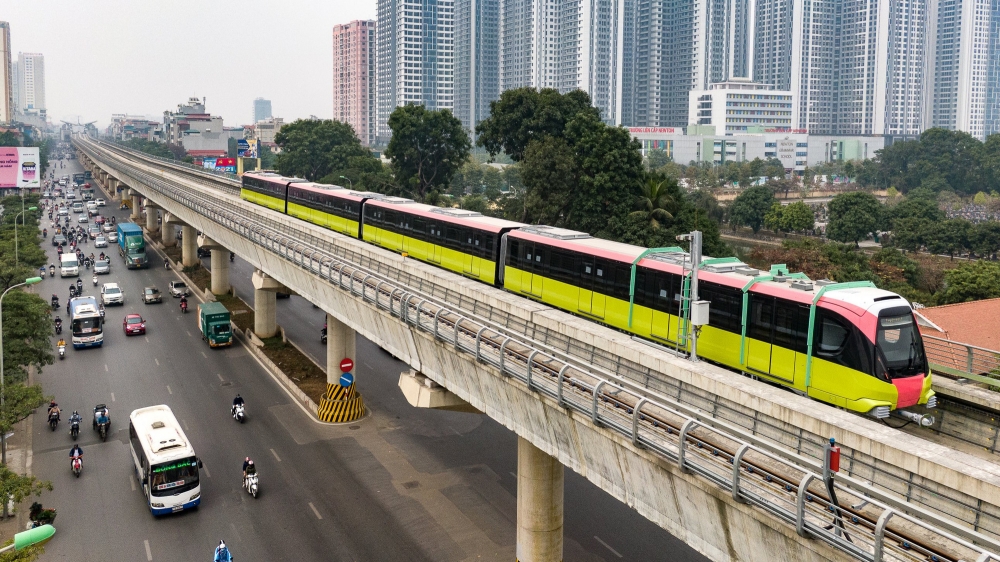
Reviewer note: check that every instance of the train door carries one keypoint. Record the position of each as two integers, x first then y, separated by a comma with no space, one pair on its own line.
472,261
760,333
586,291
659,294
537,270
602,276
435,239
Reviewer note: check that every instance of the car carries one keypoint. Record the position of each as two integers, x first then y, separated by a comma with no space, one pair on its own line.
63,212
91,205
93,231
58,240
179,289
108,227
100,202
151,294
133,324
82,219
70,195
111,293
87,184
100,242
112,236
204,252
99,220
102,267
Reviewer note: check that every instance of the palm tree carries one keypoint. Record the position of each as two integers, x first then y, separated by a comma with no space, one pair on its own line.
655,201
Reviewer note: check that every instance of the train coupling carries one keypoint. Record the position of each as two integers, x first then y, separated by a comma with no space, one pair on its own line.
924,420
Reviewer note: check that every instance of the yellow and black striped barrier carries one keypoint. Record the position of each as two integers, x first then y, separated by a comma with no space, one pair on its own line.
341,404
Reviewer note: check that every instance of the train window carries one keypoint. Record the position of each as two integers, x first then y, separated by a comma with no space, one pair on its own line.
561,266
791,325
840,342
513,256
833,336
761,321
726,310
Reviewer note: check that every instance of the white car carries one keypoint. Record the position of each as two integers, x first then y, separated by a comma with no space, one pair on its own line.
111,293
91,205
108,227
70,195
82,219
100,202
63,212
112,237
100,242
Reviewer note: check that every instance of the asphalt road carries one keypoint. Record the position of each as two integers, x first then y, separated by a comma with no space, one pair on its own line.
403,484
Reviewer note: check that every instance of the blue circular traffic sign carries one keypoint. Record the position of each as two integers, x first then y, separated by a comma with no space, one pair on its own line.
347,379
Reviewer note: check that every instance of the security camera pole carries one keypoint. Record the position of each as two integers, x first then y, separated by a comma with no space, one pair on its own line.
695,251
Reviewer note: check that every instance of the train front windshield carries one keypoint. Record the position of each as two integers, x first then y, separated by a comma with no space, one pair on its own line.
900,349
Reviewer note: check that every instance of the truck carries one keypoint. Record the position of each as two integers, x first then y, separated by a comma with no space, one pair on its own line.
214,324
131,245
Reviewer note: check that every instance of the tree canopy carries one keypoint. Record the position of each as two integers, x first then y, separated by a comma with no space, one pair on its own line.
426,149
315,149
853,216
751,207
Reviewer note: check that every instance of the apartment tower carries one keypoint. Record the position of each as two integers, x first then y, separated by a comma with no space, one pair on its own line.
354,77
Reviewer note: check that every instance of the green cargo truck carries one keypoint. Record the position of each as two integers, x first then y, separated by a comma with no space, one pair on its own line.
213,322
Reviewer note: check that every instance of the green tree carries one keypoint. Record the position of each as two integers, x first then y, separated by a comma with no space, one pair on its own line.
909,233
26,330
656,158
550,170
750,207
313,149
17,488
704,200
915,207
948,237
19,402
427,147
971,281
984,239
793,217
522,115
657,201
853,216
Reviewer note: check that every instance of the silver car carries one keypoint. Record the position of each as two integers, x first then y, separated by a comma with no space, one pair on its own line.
112,237
102,267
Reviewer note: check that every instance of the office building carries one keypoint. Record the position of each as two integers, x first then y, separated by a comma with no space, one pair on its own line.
415,57
354,77
958,67
199,132
265,130
261,109
15,86
739,106
477,59
31,85
566,45
6,76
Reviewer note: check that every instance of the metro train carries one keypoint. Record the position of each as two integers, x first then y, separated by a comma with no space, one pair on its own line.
851,345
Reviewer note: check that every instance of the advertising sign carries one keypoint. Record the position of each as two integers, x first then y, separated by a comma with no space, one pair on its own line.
786,153
660,130
247,148
208,163
19,167
226,165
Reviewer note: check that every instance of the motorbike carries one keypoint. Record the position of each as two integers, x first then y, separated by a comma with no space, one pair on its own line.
55,302
53,420
322,337
77,466
239,413
232,256
184,307
74,429
41,271
62,352
95,279
79,286
101,310
102,428
86,264
52,271
72,291
250,484
58,323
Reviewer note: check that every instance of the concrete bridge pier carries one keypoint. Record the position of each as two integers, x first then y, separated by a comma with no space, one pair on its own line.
341,402
189,246
152,217
220,264
169,231
265,300
539,505
111,185
136,206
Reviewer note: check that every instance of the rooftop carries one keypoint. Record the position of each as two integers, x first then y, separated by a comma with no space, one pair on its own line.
976,323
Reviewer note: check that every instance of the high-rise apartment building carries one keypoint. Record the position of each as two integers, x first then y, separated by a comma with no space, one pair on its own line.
354,77
992,113
477,59
31,68
958,33
6,75
261,109
415,60
15,81
566,45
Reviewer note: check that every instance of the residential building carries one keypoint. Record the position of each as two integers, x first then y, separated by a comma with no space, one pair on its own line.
125,127
15,86
200,133
959,44
415,59
992,113
477,59
354,77
265,130
567,45
740,106
6,76
261,109
31,85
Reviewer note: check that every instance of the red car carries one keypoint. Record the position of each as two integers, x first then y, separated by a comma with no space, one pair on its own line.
134,324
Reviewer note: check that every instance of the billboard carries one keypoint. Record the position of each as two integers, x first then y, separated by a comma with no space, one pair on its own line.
19,167
247,148
226,165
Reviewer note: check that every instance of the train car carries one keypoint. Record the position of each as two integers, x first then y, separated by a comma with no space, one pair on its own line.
458,240
329,206
267,189
851,345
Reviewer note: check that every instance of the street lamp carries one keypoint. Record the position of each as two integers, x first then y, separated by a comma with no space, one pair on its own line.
15,230
28,281
30,537
348,179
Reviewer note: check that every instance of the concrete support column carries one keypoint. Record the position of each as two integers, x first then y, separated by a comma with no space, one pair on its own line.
220,270
189,246
340,345
136,206
539,505
169,234
152,214
265,308
341,402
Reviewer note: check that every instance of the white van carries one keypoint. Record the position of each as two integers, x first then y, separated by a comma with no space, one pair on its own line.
68,266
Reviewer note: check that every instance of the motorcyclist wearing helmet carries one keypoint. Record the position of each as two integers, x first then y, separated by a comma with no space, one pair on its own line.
222,553
238,401
54,408
75,417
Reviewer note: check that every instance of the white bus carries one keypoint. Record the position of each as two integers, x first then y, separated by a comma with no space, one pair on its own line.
165,462
68,265
85,322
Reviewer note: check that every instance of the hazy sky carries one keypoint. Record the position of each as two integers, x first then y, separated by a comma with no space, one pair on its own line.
147,56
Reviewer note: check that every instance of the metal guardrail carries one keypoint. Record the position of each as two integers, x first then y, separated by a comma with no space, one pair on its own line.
962,359
662,424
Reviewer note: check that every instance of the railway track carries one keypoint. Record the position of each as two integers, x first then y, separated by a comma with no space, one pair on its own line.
862,520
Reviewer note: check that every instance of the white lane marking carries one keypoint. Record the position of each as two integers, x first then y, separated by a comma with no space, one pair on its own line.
220,377
149,554
316,511
106,368
207,473
112,396
157,360
203,355
185,423
190,336
607,546
132,482
369,366
147,338
168,389
275,455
